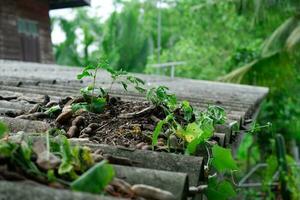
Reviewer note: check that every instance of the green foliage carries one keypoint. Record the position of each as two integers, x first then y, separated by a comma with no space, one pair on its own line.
96,97
187,109
219,190
67,157
159,127
195,131
222,159
53,110
95,179
193,135
160,96
217,114
80,106
125,40
213,38
256,127
3,130
96,101
98,104
78,51
75,163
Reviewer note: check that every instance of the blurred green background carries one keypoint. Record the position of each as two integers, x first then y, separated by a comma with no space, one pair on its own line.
242,41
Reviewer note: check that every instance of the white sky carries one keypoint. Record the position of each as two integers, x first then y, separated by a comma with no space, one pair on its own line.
101,8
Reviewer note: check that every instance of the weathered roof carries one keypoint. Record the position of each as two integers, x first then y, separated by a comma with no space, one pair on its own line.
32,80
23,83
56,4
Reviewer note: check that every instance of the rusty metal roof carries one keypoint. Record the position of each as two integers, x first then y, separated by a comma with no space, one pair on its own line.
56,4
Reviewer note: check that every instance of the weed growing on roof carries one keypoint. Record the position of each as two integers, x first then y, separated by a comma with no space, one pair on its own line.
50,160
96,97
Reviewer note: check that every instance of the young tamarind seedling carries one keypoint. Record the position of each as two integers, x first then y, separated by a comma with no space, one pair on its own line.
96,98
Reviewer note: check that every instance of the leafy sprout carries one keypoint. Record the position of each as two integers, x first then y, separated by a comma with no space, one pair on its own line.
160,96
76,168
256,127
96,97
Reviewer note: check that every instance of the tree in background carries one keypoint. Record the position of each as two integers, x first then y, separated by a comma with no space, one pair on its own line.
125,42
75,50
213,37
277,67
243,41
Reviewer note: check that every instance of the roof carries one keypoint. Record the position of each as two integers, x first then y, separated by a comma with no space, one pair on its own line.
57,4
22,85
241,102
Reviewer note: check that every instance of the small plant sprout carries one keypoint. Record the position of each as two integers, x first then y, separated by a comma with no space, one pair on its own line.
53,159
160,96
256,127
97,97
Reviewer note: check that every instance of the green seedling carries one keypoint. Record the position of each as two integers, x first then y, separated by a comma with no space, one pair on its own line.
97,97
159,127
256,127
187,110
95,179
53,110
75,168
161,97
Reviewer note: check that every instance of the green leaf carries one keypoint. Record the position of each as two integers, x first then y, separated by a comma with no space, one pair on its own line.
53,110
192,146
26,150
276,42
7,148
192,132
3,130
51,175
217,114
83,74
171,101
222,159
89,67
158,129
65,167
124,85
135,80
79,106
67,157
140,89
187,110
138,80
193,135
207,127
219,191
98,105
95,179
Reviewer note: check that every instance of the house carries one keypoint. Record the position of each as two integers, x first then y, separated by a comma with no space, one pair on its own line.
25,33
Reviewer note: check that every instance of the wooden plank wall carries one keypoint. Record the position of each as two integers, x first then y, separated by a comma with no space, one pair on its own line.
10,41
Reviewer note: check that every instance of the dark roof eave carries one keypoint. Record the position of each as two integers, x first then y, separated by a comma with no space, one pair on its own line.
53,4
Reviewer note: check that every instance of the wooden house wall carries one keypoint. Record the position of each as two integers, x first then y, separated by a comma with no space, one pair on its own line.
10,40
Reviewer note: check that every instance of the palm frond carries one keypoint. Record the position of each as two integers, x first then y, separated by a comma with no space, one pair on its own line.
276,42
293,41
236,76
274,67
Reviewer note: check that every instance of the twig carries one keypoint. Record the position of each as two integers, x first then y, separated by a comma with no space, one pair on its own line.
137,114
